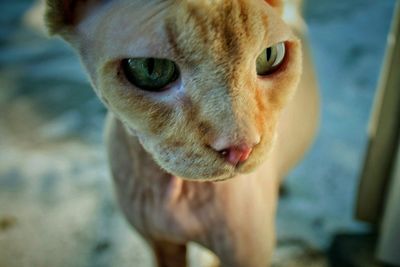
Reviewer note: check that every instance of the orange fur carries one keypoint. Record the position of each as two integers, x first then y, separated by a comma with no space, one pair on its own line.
155,139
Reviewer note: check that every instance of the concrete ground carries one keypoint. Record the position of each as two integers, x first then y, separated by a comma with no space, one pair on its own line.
56,198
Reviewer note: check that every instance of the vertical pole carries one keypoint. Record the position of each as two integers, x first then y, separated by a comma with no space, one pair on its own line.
383,134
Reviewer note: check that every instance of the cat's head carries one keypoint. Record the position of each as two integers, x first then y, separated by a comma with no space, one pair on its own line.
200,82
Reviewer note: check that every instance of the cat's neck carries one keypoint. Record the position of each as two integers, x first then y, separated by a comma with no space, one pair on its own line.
142,175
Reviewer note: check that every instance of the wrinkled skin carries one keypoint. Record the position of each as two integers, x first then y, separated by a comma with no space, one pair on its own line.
172,184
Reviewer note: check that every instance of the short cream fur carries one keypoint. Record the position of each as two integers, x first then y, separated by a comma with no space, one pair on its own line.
159,144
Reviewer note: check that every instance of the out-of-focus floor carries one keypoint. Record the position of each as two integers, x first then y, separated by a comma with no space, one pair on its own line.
56,198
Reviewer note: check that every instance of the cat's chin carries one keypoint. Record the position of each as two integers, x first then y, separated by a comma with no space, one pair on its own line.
219,178
201,175
225,172
212,172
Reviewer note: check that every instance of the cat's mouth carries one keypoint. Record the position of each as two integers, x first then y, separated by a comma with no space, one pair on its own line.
242,159
211,168
201,163
224,169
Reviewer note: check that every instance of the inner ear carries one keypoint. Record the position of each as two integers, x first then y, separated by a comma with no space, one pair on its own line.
277,4
63,15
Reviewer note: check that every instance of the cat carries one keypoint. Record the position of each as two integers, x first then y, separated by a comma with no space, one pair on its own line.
207,112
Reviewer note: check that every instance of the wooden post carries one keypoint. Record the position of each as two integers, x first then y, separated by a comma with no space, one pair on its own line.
384,133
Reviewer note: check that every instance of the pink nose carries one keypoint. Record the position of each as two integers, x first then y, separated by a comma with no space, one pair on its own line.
236,154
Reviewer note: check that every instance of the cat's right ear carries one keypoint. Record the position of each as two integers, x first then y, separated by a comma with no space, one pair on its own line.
277,4
62,16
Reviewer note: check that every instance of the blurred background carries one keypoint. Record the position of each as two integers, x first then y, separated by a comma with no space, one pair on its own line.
56,197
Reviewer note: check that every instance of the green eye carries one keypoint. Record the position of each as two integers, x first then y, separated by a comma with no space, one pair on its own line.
150,74
270,59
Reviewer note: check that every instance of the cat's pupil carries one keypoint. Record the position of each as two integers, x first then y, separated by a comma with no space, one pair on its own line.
150,66
269,53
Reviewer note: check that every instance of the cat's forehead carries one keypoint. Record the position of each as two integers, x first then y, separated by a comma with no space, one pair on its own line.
184,28
224,29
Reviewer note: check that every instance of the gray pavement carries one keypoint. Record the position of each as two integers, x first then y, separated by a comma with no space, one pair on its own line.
56,198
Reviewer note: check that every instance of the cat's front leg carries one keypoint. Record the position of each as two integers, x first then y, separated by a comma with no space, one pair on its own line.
168,254
245,236
248,254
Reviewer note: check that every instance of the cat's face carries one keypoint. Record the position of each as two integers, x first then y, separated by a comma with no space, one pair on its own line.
211,94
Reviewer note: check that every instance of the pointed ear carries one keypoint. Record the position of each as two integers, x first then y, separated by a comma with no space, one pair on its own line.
63,15
277,4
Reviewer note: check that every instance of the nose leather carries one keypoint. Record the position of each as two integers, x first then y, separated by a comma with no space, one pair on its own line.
236,154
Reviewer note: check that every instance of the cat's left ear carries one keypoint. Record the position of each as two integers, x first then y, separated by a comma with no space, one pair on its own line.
277,4
63,15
